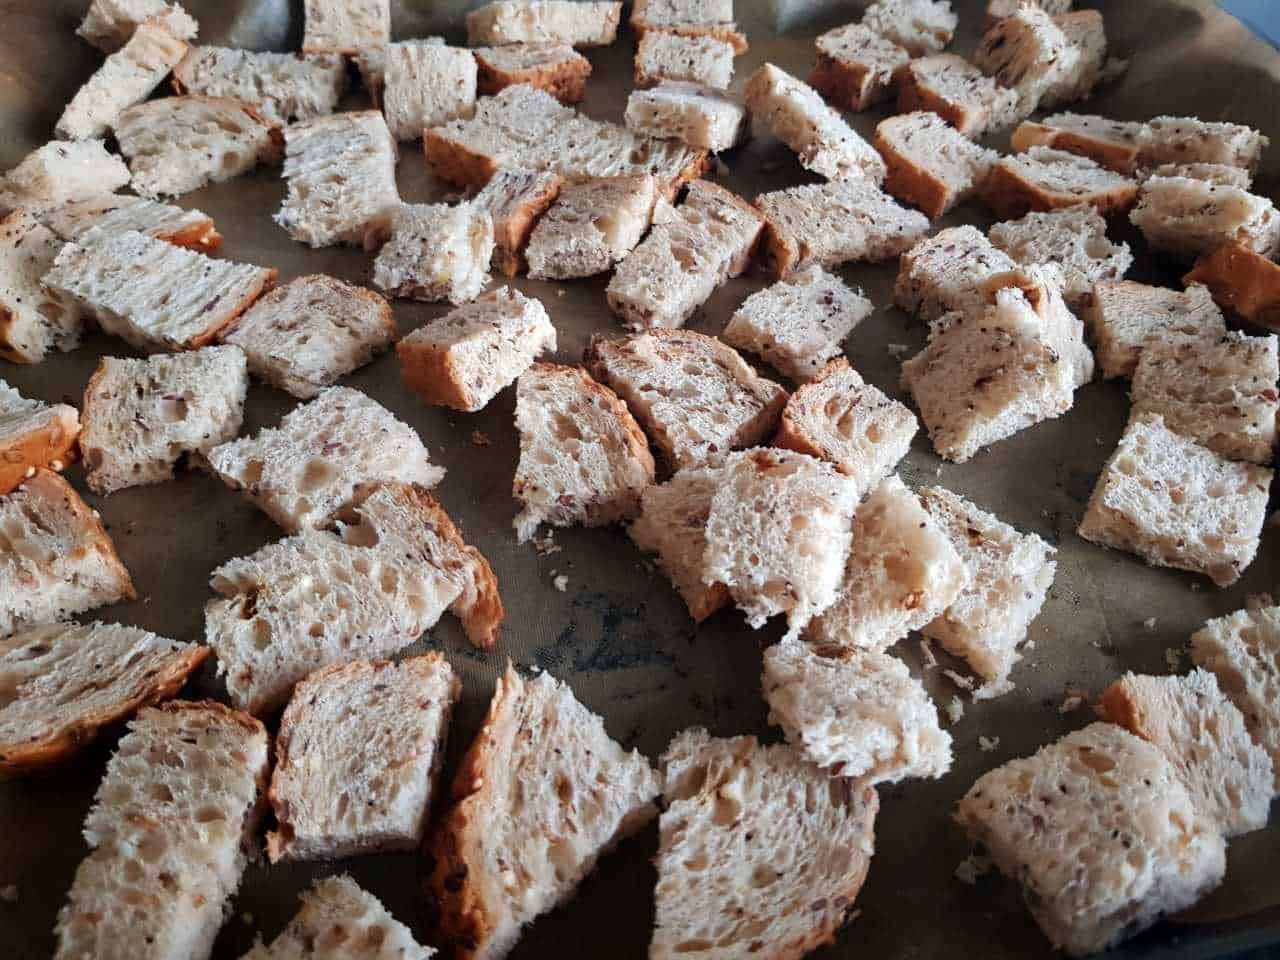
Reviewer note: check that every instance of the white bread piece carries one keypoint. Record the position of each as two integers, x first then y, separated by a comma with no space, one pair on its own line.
798,324
115,213
760,851
554,67
426,84
35,435
1114,144
1202,733
388,571
1242,281
957,91
281,87
1177,504
1215,173
688,18
797,115
579,24
436,251
700,116
1027,52
1187,218
1044,178
1191,140
1101,833
178,144
108,24
834,223
142,416
357,756
945,273
999,9
464,359
152,294
856,66
920,27
346,26
583,458
305,335
770,562
694,395
59,172
664,56
34,319
854,713
701,243
126,77
542,794
340,921
930,164
1123,317
515,199
66,682
1009,576
1074,239
323,452
591,226
341,174
168,834
1086,35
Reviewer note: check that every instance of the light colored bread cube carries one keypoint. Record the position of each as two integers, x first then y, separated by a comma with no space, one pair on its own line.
999,9
1242,281
701,59
1188,218
59,172
554,67
700,116
1027,52
515,199
1218,174
856,66
34,319
957,91
1047,179
34,435
1087,58
426,84
1114,144
589,23
945,273
281,87
108,24
116,213
1124,317
437,251
1190,140
1074,239
346,26
920,27
689,18
930,164
591,226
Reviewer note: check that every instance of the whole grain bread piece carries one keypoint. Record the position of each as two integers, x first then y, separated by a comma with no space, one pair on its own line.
515,199
854,713
436,251
589,23
1039,308
126,77
999,9
115,213
856,66
357,756
554,67
426,84
59,172
698,115
346,26
541,795
281,87
759,853
1074,239
1242,281
65,682
930,164
920,27
1114,144
664,56
463,359
591,226
35,320
34,435
169,834
1191,140
1027,52
108,24
1202,733
1044,178
945,273
1101,833
1188,218
689,18
1177,504
1089,66
957,91
1124,317
1216,173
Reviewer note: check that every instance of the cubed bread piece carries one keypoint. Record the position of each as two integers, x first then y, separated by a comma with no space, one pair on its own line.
303,336
759,851
758,546
834,223
854,713
855,66
690,18
920,27
346,26
108,24
35,435
142,416
169,835
1242,281
1043,178
694,395
591,226
1202,733
1074,239
515,199
589,23
1123,317
320,456
945,273
1027,52
359,748
1086,64
957,91
930,164
542,794
341,174
1190,140
1101,833
65,682
1037,307
1177,504
554,67
464,358
999,9
1188,218
281,87
1113,144
1216,173
665,56
798,116
426,84
437,251
1009,575
798,324
59,172
115,213
902,574
583,458
152,294
34,318
698,115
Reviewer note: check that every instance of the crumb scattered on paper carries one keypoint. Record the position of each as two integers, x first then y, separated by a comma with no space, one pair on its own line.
992,689
961,681
926,649
898,350
9,893
560,582
955,710
547,545
480,439
1149,624
971,868
561,292
988,744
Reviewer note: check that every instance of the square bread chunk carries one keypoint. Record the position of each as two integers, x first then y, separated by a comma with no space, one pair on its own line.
142,416
65,682
59,172
426,84
1027,52
945,273
1074,239
798,324
779,533
281,87
694,395
855,66
854,713
702,59
1190,140
1066,823
931,164
1086,64
798,116
1123,317
591,226
467,356
554,67
1242,281
152,294
346,26
1046,179
515,199
1203,735
35,435
116,213
580,24
437,251
1177,504
920,27
34,318
698,115
957,91
357,755
690,18
1188,218
315,462
759,830
1114,144
108,24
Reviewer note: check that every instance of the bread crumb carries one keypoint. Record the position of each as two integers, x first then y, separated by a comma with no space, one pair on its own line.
955,710
993,689
1149,624
561,292
560,582
97,515
930,661
898,350
938,472
546,546
57,466
963,682
10,893
971,868
988,744
480,439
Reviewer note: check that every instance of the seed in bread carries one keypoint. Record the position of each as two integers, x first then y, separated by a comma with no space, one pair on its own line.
665,56
346,26
591,226
1074,239
59,172
1242,281
426,84
1114,144
930,164
282,88
115,213
1027,52
1175,503
957,91
1103,794
689,18
590,23
1188,218
1043,178
515,199
855,66
920,27
1216,173
999,9
698,115
65,682
108,24
1123,317
554,67
463,359
33,435
1086,64
945,273
1190,140
35,320
437,251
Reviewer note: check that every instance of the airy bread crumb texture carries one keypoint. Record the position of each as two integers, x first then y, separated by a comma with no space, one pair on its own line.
35,319
1124,317
589,23
346,26
437,251
665,56
1074,239
591,226
283,88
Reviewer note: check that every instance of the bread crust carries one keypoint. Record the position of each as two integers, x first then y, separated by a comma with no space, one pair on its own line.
721,31
52,486
845,84
566,80
1242,281
1119,157
911,183
511,235
791,434
1010,197
201,237
913,96
39,449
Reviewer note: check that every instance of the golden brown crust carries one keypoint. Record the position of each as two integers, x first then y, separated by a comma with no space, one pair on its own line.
1120,157
913,96
1010,197
713,598
430,373
202,237
1119,705
263,281
566,80
791,433
451,161
911,183
51,446
844,84
1241,281
779,252
511,234
721,31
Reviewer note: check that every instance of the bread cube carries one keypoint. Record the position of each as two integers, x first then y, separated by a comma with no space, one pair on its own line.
1114,144
1242,281
1189,218
108,24
1104,795
920,27
1190,140
999,9
1074,239
425,85
282,88
554,67
1177,504
437,251
346,26
855,66
34,435
946,273
591,226
580,24
515,199
957,91
115,213
688,18
700,116
930,164
1086,64
1026,52
35,319
1047,179
1218,174
59,172
701,59
1124,317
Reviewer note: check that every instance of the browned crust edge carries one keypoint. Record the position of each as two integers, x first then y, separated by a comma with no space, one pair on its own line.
566,80
39,449
451,161
1241,281
911,183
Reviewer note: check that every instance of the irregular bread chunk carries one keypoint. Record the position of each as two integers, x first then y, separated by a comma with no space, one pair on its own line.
1046,179
688,18
59,172
663,56
920,27
108,24
116,213
590,23
930,164
1242,281
855,66
945,273
281,87
346,26
34,435
1086,64
437,251
957,91
426,84
1188,218
999,9
1218,174
1114,144
34,319
1027,52
515,199
554,67
1190,140
1074,239
591,226
698,115
1124,317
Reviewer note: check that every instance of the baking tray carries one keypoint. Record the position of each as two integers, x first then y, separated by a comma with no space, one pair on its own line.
618,634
